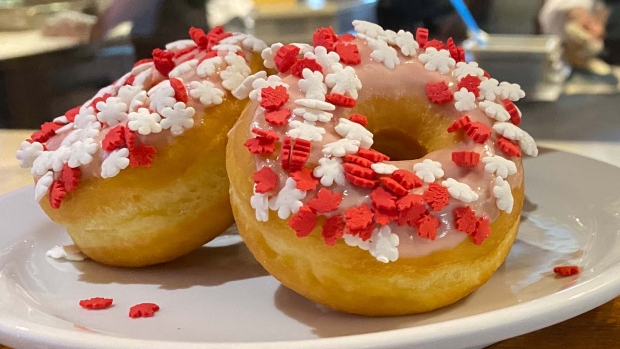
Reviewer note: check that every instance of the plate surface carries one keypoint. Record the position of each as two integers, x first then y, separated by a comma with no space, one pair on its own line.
220,297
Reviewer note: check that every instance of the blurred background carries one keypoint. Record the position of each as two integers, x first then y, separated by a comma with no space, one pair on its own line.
56,54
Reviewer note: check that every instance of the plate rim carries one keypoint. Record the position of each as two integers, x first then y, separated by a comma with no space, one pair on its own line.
515,320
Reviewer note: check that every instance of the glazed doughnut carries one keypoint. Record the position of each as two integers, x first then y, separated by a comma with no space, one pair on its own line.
379,174
137,174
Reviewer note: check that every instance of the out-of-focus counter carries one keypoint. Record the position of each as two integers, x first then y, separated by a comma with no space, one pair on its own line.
16,44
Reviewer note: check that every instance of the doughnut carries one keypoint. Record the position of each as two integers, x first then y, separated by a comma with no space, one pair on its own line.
378,174
137,174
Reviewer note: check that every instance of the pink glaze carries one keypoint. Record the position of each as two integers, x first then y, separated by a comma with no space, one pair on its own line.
408,79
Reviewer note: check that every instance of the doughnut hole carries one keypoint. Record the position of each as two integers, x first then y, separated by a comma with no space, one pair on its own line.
407,128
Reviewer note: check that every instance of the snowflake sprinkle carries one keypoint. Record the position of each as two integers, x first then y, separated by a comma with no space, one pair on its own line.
144,122
206,92
499,165
343,81
460,191
437,60
330,171
465,100
503,194
116,161
288,200
428,170
178,118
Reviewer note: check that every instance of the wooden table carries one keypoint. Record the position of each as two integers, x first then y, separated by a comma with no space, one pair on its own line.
598,328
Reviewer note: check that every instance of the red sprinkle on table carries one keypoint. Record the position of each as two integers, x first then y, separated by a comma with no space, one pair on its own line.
358,218
278,117
465,219
372,155
508,147
566,270
305,180
142,156
407,179
273,98
265,179
382,199
359,118
439,92
358,160
393,186
471,83
70,177
333,229
143,310
348,52
466,158
286,57
460,123
434,43
303,63
303,222
325,37
180,92
96,303
163,61
427,227
114,139
421,36
515,117
325,201
436,196
57,194
410,209
340,100
478,132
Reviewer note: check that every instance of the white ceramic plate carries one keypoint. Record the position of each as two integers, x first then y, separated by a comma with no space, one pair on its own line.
220,297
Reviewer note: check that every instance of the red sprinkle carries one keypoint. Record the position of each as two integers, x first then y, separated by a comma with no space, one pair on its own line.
333,229
427,227
359,171
180,93
359,118
278,117
421,36
114,139
300,154
348,52
57,194
273,98
410,209
99,99
142,61
364,233
285,152
265,180
208,55
436,196
507,146
303,222
358,160
48,129
96,303
372,155
515,116
461,54
270,135
393,186
163,61
486,74
434,43
471,83
407,179
305,180
143,310
385,217
358,218
439,92
260,145
142,156
465,219
286,57
483,230
185,51
361,182
347,37
71,113
340,100
466,158
130,80
478,132
303,63
454,52
325,201
199,37
566,270
382,199
325,37
70,177
130,138
462,122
